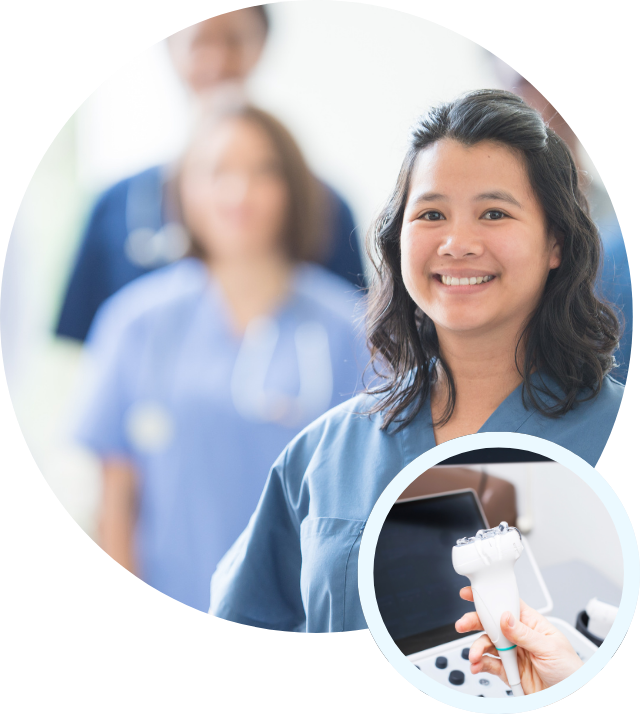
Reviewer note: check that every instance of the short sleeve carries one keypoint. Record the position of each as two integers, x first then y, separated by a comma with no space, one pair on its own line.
87,287
258,581
103,388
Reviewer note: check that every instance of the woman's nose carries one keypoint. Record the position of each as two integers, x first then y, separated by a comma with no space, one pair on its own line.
237,186
460,241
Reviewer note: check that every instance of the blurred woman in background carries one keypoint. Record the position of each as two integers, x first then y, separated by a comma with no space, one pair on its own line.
202,371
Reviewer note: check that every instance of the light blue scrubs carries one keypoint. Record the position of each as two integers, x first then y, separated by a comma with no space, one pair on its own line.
295,565
160,393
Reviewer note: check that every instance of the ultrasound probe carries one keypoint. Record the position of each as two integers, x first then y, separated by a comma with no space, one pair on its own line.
487,559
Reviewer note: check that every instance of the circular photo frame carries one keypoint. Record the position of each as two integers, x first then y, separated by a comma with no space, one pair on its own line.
455,448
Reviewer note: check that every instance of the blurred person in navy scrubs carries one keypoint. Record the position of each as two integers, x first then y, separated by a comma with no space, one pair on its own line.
616,279
199,373
133,227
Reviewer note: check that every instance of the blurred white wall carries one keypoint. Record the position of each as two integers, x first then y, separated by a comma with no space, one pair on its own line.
568,520
136,119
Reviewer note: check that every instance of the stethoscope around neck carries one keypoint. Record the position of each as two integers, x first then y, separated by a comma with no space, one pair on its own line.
249,376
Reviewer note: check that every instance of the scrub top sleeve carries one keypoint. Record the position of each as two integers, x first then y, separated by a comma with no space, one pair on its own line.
104,399
87,287
258,581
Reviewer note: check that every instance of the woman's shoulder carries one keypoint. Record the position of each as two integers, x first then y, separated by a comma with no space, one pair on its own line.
605,404
585,428
149,295
612,390
608,396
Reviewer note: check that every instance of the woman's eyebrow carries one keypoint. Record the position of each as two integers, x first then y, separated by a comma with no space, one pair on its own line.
429,196
498,196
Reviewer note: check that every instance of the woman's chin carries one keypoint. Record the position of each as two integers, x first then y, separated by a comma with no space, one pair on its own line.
466,325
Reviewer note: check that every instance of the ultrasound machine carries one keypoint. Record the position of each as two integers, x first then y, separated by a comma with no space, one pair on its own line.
417,589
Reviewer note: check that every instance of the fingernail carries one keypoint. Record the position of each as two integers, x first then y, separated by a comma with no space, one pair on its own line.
511,621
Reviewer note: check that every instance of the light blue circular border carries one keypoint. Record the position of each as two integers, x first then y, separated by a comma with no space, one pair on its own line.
483,441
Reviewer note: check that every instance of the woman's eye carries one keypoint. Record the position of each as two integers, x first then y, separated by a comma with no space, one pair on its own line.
433,216
494,215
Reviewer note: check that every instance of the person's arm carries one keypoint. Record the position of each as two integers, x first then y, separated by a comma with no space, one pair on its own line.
545,655
118,512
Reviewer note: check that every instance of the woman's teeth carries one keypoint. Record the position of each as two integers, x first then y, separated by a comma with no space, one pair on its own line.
448,280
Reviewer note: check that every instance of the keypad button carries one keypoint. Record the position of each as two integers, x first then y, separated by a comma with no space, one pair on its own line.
465,653
441,663
456,677
484,682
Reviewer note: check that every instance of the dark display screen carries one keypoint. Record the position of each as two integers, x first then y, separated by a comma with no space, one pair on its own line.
416,587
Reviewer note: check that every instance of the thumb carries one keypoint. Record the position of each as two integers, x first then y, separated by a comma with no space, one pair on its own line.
523,636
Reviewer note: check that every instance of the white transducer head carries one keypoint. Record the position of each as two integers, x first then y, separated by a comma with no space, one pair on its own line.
487,559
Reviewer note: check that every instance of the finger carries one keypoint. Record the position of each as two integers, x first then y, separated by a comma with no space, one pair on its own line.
533,619
480,647
490,665
467,593
522,635
469,622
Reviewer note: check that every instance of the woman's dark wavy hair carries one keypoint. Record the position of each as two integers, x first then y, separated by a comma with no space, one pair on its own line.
571,335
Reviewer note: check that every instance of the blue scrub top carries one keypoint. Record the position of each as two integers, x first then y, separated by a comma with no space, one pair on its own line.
104,264
159,390
295,565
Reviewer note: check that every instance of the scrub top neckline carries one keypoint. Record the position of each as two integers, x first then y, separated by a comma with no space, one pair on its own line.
211,287
509,416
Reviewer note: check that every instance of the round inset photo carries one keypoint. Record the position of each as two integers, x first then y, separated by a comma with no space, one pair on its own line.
496,573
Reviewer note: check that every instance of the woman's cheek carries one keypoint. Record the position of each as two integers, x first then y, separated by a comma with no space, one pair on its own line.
273,209
413,264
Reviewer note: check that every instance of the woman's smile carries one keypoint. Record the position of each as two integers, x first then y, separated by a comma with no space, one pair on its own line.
454,279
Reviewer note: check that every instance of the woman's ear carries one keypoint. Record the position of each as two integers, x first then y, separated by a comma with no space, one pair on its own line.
555,256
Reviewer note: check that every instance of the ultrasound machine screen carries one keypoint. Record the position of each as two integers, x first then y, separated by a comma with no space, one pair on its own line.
416,587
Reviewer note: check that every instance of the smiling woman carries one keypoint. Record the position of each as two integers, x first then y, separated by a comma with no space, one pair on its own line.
483,317
487,272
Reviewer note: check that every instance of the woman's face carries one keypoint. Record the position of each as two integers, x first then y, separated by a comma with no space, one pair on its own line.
233,192
474,246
